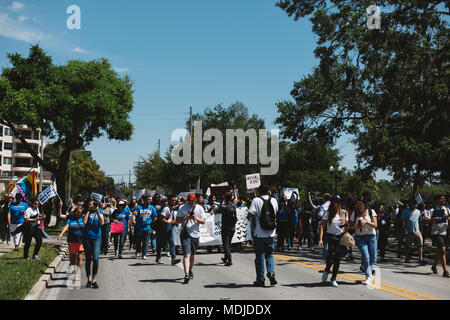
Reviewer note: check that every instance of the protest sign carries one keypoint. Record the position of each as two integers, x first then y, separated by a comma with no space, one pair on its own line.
97,197
253,181
47,194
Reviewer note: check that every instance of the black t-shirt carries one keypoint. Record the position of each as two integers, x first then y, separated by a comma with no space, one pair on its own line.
228,216
4,212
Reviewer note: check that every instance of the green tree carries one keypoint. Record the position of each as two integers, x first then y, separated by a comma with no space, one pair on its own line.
387,87
72,104
150,172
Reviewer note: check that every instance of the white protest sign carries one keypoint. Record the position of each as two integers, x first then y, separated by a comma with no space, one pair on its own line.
253,181
138,194
97,197
47,194
288,192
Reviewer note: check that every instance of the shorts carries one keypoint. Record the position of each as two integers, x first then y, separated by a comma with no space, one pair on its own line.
438,240
414,237
75,248
190,245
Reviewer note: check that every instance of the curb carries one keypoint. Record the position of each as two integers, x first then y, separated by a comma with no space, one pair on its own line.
41,285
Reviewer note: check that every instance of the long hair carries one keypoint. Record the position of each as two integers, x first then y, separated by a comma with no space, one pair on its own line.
332,212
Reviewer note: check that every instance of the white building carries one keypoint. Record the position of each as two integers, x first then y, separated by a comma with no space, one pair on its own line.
15,161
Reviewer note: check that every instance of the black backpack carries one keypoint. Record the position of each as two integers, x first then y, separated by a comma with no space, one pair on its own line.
267,220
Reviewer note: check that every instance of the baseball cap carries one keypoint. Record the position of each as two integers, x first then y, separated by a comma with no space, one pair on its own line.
336,198
121,203
192,197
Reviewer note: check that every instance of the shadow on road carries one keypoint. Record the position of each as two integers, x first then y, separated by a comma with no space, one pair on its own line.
162,280
229,285
318,284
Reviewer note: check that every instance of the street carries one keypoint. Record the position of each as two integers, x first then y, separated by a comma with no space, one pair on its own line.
298,275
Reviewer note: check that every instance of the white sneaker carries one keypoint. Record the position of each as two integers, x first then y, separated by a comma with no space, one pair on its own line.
36,258
334,284
137,254
168,254
144,258
368,281
324,277
299,248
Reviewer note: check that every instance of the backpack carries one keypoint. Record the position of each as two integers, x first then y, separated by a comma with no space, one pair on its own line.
267,220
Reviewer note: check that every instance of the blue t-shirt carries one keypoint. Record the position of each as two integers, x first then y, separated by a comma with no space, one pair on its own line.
144,217
16,216
122,216
93,229
412,220
76,230
282,214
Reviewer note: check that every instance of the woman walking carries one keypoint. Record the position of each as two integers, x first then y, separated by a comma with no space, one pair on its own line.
32,229
93,221
334,221
120,215
364,222
75,226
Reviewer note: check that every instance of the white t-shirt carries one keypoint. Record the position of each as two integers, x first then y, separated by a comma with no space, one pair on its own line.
31,213
324,209
192,227
336,227
255,210
438,228
169,216
366,229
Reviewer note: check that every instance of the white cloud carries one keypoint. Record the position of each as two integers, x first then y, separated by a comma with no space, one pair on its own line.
120,70
79,50
22,18
16,6
11,28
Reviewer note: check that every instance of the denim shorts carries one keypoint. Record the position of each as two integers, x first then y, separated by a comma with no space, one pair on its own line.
190,245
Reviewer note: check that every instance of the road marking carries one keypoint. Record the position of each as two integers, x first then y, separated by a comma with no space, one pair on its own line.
356,278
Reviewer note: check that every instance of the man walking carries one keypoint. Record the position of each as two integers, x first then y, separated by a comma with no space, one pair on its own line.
410,217
229,219
263,211
143,219
191,216
165,234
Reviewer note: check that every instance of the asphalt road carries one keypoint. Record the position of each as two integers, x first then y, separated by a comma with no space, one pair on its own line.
298,274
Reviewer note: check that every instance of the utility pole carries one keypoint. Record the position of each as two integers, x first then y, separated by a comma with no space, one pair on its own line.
191,123
159,148
129,179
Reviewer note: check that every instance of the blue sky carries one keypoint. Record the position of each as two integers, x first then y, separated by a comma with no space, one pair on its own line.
179,53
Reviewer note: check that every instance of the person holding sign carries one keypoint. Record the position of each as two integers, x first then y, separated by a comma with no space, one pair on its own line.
439,222
93,221
145,214
75,226
120,215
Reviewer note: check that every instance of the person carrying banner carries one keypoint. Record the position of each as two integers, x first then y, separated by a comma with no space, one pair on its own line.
75,226
32,229
16,218
190,215
263,211
93,221
229,219
164,236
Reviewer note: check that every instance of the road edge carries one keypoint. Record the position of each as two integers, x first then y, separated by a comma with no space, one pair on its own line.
41,284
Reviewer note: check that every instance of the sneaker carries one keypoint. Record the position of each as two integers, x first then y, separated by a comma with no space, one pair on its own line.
224,260
334,283
228,264
35,257
186,279
144,258
191,275
367,281
422,262
120,256
272,279
95,285
89,284
26,258
325,277
259,284
137,254
176,261
168,254
446,275
434,269
159,261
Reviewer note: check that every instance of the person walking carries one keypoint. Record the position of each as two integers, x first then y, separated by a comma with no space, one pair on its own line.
164,236
132,234
145,213
229,219
93,221
106,227
282,224
438,217
191,216
262,212
384,220
306,226
335,222
364,222
4,226
16,218
32,229
120,215
75,226
410,217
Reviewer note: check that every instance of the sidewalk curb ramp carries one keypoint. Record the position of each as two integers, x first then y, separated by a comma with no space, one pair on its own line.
44,280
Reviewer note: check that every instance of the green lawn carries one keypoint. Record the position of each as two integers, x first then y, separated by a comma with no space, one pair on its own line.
18,276
53,231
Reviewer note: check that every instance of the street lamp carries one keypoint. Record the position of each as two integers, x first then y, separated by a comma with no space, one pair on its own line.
332,169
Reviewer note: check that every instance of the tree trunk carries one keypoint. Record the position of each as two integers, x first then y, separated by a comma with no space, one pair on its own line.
61,181
416,182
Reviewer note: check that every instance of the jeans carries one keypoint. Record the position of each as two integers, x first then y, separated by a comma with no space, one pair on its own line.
36,233
283,234
264,252
92,250
334,254
227,237
119,237
367,244
142,239
400,238
4,232
382,242
106,229
153,239
163,238
325,248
